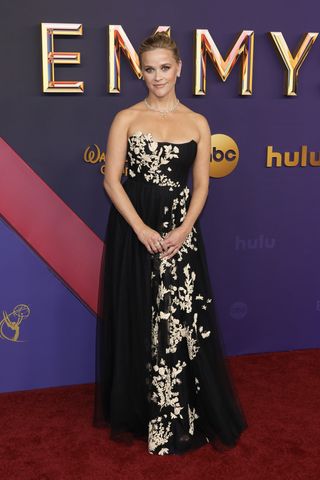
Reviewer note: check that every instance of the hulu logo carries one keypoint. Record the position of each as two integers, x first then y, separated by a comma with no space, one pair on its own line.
302,158
256,243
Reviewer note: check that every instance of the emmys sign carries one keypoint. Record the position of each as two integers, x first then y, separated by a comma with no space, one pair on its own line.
204,46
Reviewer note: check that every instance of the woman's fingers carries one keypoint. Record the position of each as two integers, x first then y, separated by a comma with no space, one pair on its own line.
163,246
170,252
158,245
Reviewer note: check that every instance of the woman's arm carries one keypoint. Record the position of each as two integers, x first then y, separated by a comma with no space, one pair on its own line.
200,188
115,159
201,175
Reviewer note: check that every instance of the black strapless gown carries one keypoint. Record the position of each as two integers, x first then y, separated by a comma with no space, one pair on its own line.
161,373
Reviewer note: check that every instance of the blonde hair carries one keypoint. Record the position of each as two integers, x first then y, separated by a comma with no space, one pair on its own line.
159,40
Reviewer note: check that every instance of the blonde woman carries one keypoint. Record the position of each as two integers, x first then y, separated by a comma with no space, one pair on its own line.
161,372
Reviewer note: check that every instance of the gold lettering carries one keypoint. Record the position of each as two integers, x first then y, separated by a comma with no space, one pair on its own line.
118,40
293,63
292,159
50,58
204,44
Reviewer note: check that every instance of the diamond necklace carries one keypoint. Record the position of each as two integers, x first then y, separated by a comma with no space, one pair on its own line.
163,113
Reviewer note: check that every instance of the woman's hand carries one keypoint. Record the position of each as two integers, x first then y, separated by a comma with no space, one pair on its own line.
151,239
173,241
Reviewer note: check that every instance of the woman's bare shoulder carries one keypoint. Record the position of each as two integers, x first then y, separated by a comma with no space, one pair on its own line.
198,117
124,117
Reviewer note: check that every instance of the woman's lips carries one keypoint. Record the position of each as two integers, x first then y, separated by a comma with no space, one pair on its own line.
160,85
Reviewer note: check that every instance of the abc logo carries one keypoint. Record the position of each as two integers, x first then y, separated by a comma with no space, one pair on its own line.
224,155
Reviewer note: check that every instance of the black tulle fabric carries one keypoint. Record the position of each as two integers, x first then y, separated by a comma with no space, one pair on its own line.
161,372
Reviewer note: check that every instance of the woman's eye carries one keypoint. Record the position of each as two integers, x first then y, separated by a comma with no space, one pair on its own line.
148,70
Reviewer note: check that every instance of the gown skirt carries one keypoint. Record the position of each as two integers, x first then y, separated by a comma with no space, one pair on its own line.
161,372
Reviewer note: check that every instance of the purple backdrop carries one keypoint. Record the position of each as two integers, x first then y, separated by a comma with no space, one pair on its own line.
260,225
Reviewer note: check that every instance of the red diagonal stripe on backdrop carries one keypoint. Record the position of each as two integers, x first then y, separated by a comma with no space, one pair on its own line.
49,226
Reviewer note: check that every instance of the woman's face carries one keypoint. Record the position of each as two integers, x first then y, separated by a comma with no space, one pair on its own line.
160,70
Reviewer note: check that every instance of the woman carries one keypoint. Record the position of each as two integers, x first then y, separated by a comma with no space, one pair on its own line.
161,372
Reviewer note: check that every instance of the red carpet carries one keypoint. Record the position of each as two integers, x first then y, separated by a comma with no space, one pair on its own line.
47,434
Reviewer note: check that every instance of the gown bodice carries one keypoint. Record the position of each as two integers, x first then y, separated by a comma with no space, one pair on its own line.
163,164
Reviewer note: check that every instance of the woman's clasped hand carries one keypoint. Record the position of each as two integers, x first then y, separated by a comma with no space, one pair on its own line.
167,246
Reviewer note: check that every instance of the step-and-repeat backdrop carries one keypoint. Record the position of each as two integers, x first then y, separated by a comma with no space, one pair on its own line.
66,69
